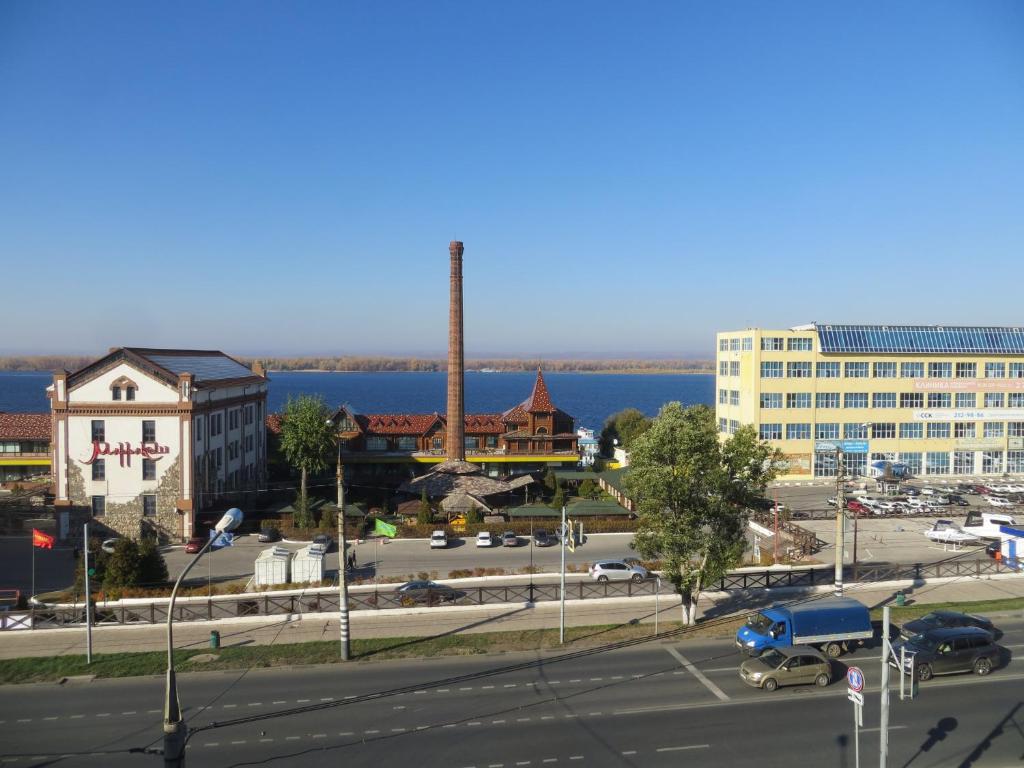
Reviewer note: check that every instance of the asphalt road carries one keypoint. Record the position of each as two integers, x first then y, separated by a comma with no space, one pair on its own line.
658,704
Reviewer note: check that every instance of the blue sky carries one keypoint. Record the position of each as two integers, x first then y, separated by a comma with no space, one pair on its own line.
628,177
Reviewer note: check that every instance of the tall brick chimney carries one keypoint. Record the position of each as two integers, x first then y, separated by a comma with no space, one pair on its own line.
456,363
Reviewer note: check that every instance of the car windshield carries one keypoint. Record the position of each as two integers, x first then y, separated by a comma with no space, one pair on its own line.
772,658
759,623
931,618
922,642
438,536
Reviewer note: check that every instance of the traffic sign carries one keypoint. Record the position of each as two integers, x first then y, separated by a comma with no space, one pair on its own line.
855,697
855,679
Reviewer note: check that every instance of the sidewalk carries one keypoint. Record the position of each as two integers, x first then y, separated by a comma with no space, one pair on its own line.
425,622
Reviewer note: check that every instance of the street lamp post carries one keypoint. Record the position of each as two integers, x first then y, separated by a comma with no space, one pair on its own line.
175,730
840,522
342,576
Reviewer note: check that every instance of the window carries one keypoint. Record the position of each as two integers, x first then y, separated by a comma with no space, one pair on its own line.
911,400
473,443
857,370
148,469
855,464
993,399
407,443
723,368
936,463
437,443
827,370
99,506
966,400
886,456
798,370
824,464
992,462
115,393
883,400
99,470
940,370
911,430
800,345
939,400
854,431
734,368
734,397
723,427
798,431
771,432
913,462
993,429
148,431
938,429
492,441
963,462
748,343
723,345
723,396
734,345
826,400
912,371
855,400
376,443
995,370
772,370
99,431
798,400
885,370
966,370
733,426
826,431
1015,462
771,343
883,430
149,505
1016,370
771,399
129,393
964,429
1015,399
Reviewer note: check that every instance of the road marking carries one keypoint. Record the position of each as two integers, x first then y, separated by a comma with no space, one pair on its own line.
550,760
279,702
25,720
226,706
372,731
49,718
679,749
302,701
509,685
292,738
577,680
129,713
442,690
262,741
212,744
596,679
629,752
523,719
345,733
497,722
255,703
475,722
448,725
496,765
77,717
548,717
240,741
523,762
470,688
719,693
327,698
418,692
319,735
616,677
398,730
576,757
878,728
594,714
485,687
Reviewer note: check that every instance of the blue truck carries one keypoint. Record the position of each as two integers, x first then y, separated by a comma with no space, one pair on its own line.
833,624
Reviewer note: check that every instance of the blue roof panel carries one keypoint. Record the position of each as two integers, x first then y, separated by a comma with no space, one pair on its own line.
203,367
921,339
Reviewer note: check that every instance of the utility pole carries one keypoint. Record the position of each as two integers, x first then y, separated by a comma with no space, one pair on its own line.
342,577
840,521
883,731
561,609
88,596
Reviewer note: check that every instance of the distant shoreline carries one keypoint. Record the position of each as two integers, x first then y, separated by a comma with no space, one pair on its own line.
612,371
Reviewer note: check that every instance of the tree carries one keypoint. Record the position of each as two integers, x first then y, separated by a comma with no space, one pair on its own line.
153,569
474,515
306,441
124,566
692,494
550,481
425,515
558,500
625,426
589,489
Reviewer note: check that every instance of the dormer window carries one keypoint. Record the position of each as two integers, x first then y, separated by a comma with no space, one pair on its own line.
129,393
115,392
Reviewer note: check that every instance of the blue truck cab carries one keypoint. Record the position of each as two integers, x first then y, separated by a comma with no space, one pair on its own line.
833,624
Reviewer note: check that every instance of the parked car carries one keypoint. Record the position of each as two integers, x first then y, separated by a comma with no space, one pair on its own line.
957,500
268,534
982,490
195,544
542,538
833,624
948,651
426,593
999,501
945,619
323,540
618,570
969,488
509,539
859,509
831,501
483,539
910,491
438,540
792,665
928,491
993,548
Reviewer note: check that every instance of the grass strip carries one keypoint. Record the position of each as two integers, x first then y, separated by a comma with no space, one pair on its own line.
53,668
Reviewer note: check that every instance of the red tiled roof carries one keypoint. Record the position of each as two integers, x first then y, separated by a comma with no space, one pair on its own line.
484,423
25,426
273,422
539,400
397,423
515,415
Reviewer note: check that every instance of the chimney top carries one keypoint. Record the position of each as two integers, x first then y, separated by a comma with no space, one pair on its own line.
455,248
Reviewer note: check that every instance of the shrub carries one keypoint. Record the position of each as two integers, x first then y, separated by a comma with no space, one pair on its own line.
151,563
124,568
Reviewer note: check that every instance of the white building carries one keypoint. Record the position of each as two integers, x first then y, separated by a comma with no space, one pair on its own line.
589,447
144,440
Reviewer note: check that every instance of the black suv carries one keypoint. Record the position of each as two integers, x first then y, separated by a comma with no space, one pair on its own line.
948,651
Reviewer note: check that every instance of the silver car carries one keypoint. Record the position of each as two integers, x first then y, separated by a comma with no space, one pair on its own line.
618,570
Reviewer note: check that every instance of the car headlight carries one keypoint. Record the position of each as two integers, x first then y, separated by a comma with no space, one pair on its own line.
756,675
751,643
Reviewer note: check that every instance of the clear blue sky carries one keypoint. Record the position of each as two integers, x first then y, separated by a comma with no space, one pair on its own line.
628,177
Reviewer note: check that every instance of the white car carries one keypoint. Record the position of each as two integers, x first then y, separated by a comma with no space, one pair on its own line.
999,501
928,491
438,540
483,539
831,501
889,507
1014,488
948,532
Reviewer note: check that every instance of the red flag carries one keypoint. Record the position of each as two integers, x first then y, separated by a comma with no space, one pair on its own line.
41,540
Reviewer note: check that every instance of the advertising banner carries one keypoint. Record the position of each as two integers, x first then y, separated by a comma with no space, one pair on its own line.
969,414
969,385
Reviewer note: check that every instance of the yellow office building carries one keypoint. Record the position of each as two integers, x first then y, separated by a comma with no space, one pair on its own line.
944,400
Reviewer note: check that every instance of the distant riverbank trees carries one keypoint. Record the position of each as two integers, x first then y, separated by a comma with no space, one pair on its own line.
366,364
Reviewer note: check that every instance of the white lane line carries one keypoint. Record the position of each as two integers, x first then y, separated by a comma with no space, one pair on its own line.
345,733
548,717
523,719
448,725
891,728
292,738
577,680
497,722
212,744
418,692
616,677
264,741
101,714
485,687
594,714
442,690
496,765
153,711
596,679
302,701
475,722
679,749
398,730
240,741
226,706
372,731
319,735
575,757
327,698
279,702
77,717
49,718
132,712
550,760
629,752
509,685
255,704
719,693
523,762
469,688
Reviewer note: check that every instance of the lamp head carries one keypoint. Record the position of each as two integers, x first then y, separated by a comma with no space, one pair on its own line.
231,520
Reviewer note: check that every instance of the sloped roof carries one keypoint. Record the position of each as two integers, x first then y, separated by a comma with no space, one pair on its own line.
452,477
396,423
460,502
25,426
206,366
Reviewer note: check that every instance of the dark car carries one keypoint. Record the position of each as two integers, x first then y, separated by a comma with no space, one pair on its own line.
945,619
542,538
957,500
426,593
268,535
967,488
948,651
910,491
993,548
324,540
509,539
195,544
